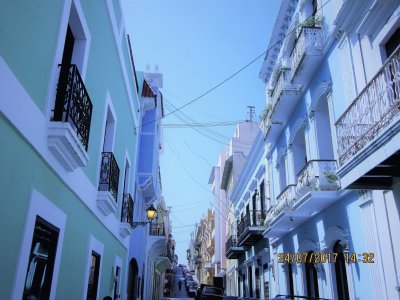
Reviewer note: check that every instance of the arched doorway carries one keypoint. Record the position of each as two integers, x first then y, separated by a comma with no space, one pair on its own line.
132,285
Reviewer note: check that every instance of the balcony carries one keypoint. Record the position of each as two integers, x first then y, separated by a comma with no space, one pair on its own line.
250,228
306,55
316,189
157,229
126,215
232,249
371,125
317,175
68,131
282,103
108,184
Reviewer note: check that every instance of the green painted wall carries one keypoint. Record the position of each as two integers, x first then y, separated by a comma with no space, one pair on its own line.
26,170
28,35
28,31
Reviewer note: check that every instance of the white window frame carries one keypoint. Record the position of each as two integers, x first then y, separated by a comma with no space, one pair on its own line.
117,263
81,48
98,247
39,206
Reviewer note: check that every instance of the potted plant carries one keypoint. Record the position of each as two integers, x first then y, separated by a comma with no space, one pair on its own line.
313,21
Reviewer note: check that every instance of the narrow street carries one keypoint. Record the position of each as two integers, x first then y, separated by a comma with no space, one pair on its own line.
176,293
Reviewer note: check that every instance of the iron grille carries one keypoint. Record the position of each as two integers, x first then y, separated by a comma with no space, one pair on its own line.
157,229
73,103
109,174
372,111
127,209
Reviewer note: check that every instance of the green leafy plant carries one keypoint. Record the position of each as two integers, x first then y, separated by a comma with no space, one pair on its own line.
265,112
313,21
332,177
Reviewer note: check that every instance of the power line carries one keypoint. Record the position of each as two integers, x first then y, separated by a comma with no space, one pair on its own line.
235,73
213,135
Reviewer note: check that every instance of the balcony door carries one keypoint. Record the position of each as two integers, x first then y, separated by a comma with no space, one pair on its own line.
393,42
323,128
59,110
299,152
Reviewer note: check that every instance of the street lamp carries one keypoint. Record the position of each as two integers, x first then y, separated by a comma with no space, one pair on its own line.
151,212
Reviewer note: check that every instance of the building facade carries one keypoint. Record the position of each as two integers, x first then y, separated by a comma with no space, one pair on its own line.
69,112
323,169
331,200
149,252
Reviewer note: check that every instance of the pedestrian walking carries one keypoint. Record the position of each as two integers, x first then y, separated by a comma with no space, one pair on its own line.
180,284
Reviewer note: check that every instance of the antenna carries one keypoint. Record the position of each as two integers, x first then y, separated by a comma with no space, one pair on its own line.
251,113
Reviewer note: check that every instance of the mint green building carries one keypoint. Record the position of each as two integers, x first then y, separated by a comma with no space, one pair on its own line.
69,109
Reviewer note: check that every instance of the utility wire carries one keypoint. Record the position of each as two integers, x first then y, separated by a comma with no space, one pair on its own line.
207,132
235,73
227,210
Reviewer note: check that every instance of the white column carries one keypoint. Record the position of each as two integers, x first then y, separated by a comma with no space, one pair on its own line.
290,174
329,99
371,242
311,136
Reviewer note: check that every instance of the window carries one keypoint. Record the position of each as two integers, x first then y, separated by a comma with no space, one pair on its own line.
117,282
93,276
340,272
393,42
311,278
109,131
41,261
251,282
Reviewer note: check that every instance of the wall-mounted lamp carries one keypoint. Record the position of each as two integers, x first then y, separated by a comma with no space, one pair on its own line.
151,212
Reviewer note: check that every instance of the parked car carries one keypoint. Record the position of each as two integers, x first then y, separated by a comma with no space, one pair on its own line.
193,289
290,297
188,277
199,290
212,293
188,282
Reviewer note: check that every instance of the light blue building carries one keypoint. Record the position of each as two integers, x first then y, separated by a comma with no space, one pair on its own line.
330,151
150,254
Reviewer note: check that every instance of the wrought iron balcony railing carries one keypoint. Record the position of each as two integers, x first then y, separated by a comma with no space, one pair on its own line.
282,81
317,175
109,174
271,214
231,242
254,218
371,112
157,229
127,209
310,40
73,103
285,199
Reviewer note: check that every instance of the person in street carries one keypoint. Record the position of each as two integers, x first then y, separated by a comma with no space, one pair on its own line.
180,284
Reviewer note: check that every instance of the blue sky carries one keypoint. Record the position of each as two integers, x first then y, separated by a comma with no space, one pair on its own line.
196,45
